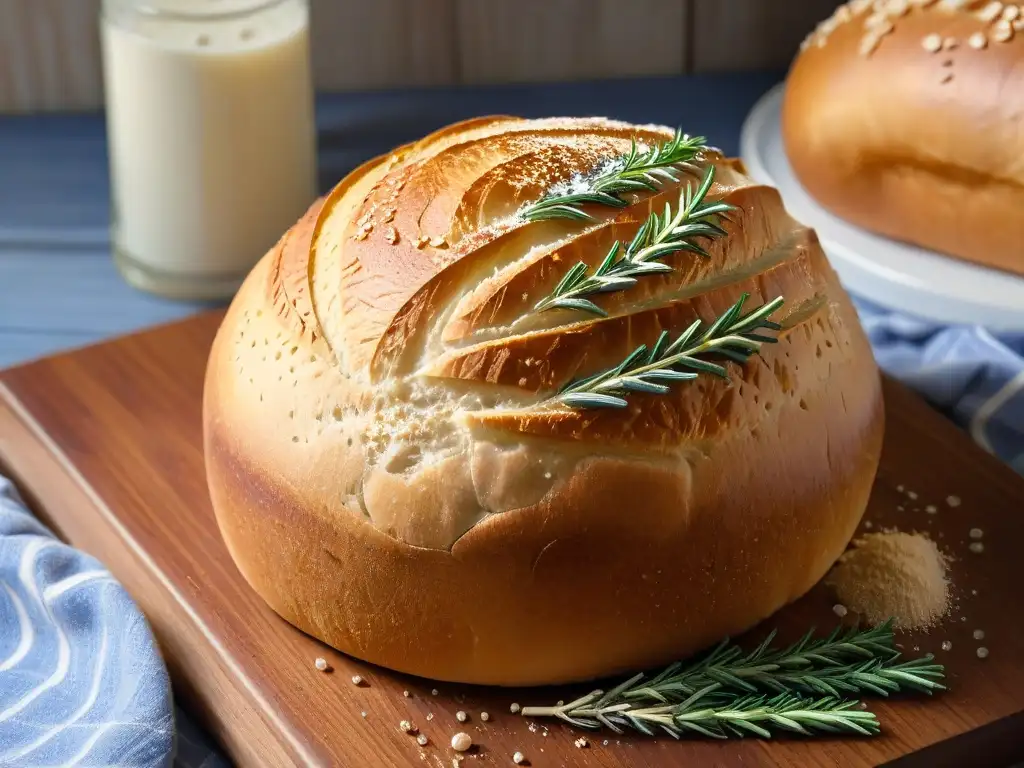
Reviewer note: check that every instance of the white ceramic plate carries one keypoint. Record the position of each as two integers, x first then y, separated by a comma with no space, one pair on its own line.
889,273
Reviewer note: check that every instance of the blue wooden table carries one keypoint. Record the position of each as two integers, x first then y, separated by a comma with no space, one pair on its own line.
58,285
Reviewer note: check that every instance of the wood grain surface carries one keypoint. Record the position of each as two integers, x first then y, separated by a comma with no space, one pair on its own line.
739,35
50,52
546,40
106,442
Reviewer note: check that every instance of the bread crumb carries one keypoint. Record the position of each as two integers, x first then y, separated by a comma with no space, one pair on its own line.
406,694
518,758
953,501
433,692
461,742
406,727
1002,32
514,708
363,714
581,743
485,716
976,533
893,575
460,716
979,634
982,652
839,610
932,43
357,680
946,645
977,547
931,509
977,41
912,495
990,12
422,740
321,664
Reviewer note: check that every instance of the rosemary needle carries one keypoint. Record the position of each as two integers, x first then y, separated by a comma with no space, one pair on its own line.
659,236
732,336
635,172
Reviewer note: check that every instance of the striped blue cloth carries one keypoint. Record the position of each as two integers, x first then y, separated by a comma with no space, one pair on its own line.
973,376
82,682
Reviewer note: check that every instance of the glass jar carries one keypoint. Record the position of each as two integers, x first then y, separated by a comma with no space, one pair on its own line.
211,134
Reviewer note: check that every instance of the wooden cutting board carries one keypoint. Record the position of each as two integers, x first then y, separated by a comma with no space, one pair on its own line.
106,443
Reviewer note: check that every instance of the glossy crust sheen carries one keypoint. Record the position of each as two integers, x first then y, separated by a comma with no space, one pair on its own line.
924,146
387,479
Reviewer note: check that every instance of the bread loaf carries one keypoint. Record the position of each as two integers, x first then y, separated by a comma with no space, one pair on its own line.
394,473
905,118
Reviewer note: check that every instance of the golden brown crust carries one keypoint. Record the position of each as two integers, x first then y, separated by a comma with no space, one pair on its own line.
387,477
906,121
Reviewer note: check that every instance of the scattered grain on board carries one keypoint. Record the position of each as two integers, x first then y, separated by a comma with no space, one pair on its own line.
979,634
953,501
977,547
461,742
485,716
321,664
357,680
897,575
946,645
982,652
518,758
976,533
422,740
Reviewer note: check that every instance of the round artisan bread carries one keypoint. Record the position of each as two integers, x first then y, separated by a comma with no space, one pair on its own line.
905,118
391,474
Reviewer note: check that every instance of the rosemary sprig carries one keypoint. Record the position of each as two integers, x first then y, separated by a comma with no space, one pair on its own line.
708,713
658,237
733,336
722,694
857,661
635,172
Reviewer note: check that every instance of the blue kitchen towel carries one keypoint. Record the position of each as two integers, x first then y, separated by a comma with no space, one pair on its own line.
974,376
82,682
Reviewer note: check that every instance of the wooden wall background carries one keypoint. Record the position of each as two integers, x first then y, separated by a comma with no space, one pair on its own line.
50,58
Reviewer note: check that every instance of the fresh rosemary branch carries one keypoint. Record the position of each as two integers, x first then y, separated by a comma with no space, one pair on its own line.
723,693
636,172
857,661
707,713
658,237
732,335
